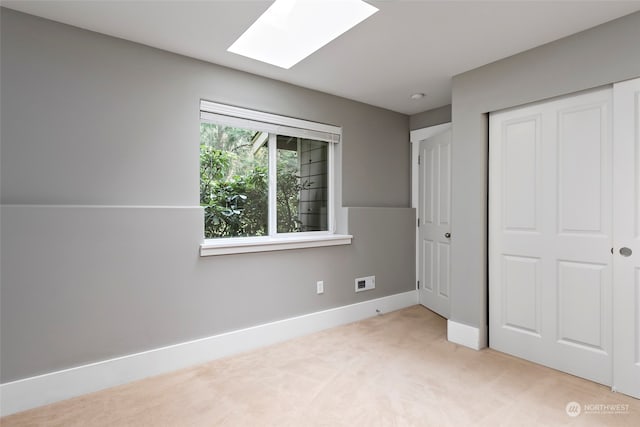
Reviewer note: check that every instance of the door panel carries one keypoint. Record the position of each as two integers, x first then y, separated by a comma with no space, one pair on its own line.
434,212
427,265
550,267
580,182
626,193
443,269
427,184
521,174
444,182
581,324
521,289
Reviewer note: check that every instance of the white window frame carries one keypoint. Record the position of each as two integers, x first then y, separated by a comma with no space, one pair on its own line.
274,125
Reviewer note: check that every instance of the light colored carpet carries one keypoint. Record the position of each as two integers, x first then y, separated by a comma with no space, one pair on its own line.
392,370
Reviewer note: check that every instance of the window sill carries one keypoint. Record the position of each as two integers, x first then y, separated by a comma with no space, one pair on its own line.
212,247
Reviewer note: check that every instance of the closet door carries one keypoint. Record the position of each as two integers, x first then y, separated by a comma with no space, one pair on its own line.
550,237
626,232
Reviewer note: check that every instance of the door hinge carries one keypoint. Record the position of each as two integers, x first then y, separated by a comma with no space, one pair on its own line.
418,159
418,286
418,222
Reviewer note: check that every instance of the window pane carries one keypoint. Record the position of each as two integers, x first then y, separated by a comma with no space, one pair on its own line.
233,181
301,184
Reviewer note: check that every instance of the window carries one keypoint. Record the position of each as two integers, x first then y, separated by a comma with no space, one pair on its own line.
265,180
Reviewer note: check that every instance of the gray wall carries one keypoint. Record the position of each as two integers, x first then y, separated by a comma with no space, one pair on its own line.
437,116
599,56
100,220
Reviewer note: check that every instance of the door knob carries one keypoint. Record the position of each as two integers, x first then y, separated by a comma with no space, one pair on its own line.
625,252
447,235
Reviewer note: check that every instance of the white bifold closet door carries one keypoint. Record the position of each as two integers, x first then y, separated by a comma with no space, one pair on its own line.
550,234
564,234
626,238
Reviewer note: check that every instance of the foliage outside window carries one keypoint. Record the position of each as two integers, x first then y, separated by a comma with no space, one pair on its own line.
237,167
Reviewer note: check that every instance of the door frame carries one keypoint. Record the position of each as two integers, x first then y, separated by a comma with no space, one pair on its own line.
415,137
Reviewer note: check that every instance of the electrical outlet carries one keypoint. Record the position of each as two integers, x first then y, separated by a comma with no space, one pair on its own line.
320,287
365,283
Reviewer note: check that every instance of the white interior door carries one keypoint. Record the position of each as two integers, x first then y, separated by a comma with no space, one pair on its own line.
550,261
434,214
626,232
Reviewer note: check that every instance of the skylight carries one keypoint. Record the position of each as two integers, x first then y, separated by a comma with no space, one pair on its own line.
291,30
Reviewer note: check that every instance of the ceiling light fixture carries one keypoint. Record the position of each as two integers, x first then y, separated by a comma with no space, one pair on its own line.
291,30
416,96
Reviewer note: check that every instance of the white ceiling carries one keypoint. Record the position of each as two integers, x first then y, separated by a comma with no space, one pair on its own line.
407,47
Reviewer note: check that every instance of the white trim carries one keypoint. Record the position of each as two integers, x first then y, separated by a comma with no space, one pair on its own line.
44,389
468,336
241,245
243,123
331,213
272,189
424,133
259,116
39,206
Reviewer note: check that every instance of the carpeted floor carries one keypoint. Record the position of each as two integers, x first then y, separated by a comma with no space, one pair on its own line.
392,370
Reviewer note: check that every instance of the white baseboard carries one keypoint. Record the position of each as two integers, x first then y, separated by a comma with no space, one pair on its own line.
36,391
466,335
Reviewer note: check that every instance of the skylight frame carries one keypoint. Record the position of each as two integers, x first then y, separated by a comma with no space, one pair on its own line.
291,30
